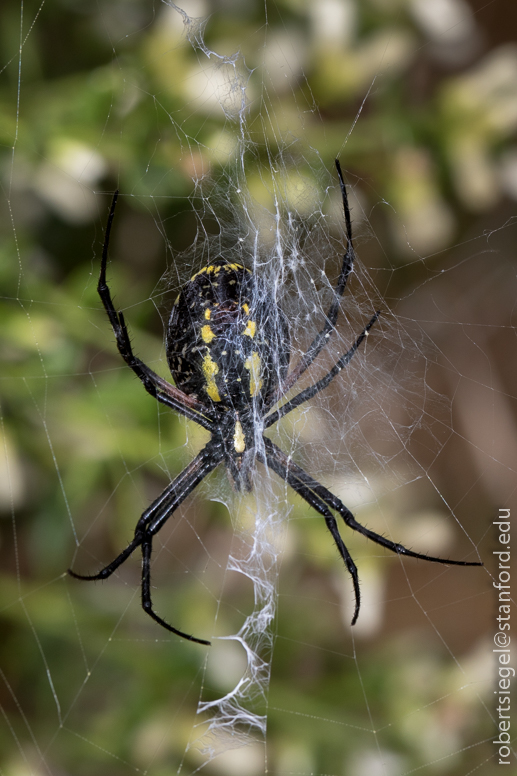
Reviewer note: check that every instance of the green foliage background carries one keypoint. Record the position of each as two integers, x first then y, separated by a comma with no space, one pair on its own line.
102,101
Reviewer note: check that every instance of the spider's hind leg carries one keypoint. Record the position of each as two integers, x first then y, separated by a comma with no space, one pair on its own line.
321,339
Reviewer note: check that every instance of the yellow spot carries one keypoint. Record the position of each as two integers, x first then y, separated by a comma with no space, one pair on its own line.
253,364
210,270
250,329
210,369
201,271
238,438
246,308
207,314
207,334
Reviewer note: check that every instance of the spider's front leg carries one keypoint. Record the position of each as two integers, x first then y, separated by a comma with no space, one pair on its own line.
315,494
282,466
150,523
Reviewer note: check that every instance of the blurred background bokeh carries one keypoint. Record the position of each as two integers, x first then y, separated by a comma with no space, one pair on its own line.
102,95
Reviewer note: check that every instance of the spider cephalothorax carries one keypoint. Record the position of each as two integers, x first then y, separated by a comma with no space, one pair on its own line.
228,350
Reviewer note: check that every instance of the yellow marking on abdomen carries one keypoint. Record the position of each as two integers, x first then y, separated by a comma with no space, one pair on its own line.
212,269
238,438
201,272
215,268
253,365
250,329
207,334
210,369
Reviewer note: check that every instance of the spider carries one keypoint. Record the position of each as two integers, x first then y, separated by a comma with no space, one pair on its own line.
228,350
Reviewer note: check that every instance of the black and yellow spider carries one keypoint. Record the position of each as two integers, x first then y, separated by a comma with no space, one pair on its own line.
228,349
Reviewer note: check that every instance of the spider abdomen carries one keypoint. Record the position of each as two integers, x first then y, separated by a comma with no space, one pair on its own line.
227,340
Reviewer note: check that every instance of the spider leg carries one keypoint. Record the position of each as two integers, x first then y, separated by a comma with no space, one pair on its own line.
155,385
322,337
153,519
279,463
295,474
312,390
159,506
147,604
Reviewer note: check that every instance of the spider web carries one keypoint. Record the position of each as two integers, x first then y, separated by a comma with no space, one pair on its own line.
220,126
